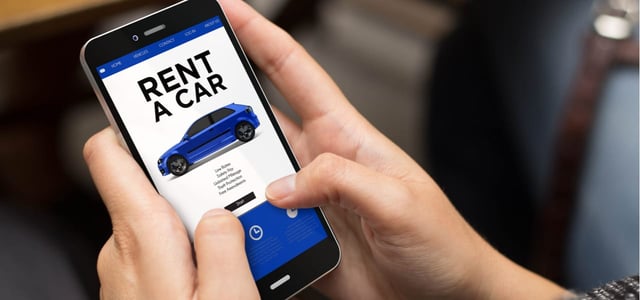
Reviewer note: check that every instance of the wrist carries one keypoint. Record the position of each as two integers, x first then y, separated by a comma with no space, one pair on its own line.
497,277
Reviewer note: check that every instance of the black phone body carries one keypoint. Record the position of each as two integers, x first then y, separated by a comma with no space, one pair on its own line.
181,94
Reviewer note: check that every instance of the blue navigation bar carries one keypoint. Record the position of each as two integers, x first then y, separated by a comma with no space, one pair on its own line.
158,47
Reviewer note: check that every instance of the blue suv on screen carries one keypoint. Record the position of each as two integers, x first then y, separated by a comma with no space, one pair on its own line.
209,134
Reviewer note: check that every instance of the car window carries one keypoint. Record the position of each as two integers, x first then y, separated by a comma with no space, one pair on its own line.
221,114
199,125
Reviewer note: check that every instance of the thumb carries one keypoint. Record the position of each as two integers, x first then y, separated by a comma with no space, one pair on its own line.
223,269
334,180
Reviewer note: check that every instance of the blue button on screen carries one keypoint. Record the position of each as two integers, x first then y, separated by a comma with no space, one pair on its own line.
274,236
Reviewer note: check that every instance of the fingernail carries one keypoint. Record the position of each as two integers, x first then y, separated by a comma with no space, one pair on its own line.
215,212
218,223
281,188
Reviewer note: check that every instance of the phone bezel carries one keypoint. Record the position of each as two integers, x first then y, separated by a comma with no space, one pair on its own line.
305,268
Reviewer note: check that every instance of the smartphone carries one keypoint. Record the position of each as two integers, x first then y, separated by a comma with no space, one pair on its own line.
180,93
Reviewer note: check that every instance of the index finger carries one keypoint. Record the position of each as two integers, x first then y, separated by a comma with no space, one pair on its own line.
306,86
125,190
150,242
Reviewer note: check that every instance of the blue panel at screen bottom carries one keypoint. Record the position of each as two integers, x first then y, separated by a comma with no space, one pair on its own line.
274,236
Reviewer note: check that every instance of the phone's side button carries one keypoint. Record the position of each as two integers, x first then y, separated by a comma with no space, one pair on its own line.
280,282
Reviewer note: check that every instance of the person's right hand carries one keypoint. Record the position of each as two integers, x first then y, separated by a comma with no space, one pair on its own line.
400,236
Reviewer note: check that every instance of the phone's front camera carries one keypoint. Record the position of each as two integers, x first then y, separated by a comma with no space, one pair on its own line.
135,37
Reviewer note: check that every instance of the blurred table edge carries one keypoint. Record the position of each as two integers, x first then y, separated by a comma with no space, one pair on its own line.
24,27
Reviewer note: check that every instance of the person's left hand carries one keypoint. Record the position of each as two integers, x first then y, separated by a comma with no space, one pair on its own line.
149,254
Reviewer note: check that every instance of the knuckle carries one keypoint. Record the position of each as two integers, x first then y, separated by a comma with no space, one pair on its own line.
114,275
136,230
90,146
125,243
105,258
329,167
275,64
327,174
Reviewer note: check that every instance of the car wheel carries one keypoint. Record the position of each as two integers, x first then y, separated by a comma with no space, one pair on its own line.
245,131
178,165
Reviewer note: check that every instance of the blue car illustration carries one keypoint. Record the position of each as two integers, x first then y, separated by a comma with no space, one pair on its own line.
207,135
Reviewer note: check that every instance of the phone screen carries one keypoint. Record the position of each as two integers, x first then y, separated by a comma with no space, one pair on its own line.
192,113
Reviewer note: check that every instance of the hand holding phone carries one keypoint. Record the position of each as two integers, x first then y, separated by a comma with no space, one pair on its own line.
180,93
401,237
149,255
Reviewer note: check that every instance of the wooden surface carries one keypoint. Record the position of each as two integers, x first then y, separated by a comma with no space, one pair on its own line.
19,12
26,20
